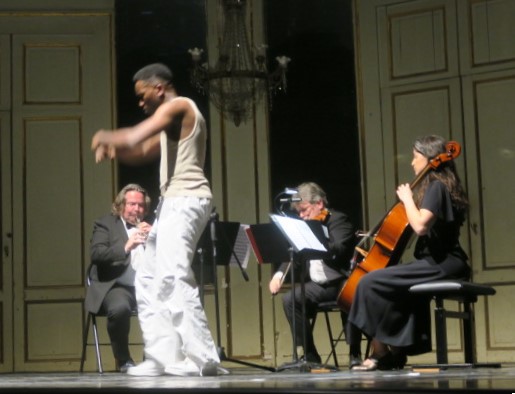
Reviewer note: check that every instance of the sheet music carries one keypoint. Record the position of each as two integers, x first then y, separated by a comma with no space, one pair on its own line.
241,248
299,233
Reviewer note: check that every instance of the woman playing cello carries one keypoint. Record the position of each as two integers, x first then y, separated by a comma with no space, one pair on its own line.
382,307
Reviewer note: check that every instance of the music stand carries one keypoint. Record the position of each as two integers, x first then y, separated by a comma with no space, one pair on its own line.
297,241
268,243
222,253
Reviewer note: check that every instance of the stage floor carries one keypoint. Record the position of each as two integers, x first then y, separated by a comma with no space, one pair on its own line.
250,380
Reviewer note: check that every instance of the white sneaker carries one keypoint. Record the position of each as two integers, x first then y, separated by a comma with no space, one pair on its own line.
183,368
146,368
222,371
209,369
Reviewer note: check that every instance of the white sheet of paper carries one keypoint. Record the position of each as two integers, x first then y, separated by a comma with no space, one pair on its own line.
299,233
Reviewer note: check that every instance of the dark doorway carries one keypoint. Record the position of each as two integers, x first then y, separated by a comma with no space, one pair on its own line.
313,128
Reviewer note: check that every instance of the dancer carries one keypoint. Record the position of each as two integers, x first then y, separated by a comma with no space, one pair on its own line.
174,325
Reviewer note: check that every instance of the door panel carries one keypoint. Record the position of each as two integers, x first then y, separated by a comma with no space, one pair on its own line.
6,355
486,32
417,41
6,349
489,99
5,72
61,79
52,146
411,111
489,119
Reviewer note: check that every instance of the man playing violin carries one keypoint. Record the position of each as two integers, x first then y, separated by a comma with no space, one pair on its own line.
324,277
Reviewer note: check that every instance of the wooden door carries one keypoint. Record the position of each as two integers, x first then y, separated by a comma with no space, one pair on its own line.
61,94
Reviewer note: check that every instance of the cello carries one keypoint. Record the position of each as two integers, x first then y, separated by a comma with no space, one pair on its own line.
390,236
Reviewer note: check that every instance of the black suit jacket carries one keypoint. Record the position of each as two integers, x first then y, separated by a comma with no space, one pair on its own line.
108,259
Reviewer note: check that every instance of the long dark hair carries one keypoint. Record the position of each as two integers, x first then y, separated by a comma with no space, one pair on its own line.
431,146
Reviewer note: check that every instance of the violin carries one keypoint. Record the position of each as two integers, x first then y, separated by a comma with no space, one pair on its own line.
390,236
322,216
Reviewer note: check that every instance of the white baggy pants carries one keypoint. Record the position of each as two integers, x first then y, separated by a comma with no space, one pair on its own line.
170,313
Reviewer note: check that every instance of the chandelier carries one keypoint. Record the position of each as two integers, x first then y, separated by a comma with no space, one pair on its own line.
240,77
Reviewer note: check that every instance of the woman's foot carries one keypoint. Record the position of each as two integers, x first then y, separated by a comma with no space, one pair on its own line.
386,362
370,364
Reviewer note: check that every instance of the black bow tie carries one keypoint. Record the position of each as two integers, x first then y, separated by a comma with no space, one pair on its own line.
129,225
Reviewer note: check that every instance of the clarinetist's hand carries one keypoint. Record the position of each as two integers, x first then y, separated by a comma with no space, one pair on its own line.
138,237
144,227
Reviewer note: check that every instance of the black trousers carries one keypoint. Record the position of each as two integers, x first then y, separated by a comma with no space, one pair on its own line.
314,295
118,305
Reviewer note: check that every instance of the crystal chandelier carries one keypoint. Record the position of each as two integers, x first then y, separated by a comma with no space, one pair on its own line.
240,77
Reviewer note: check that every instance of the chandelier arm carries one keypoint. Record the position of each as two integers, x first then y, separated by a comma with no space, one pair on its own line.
240,78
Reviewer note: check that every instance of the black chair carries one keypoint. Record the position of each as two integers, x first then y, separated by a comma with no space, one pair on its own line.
466,294
331,307
91,320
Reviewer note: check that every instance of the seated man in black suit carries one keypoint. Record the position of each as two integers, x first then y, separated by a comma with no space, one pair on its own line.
325,278
116,245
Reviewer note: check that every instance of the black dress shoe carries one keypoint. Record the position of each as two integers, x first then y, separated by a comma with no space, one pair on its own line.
312,358
354,360
126,365
398,361
390,362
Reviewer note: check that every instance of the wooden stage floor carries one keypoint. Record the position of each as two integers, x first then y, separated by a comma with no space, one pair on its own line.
250,380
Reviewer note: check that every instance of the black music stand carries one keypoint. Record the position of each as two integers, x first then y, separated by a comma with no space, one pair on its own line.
297,241
222,238
268,243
